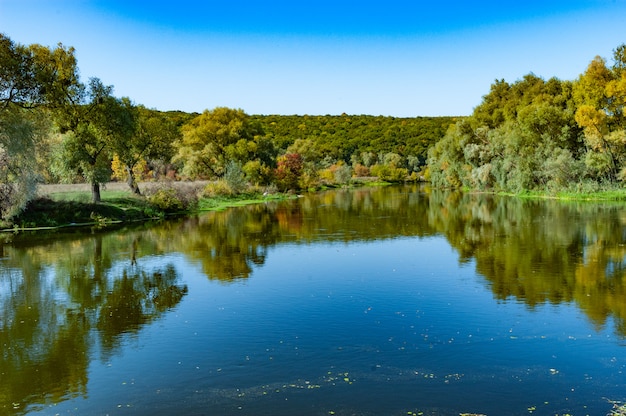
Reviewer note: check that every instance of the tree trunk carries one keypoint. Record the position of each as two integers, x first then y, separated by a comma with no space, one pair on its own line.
131,181
95,192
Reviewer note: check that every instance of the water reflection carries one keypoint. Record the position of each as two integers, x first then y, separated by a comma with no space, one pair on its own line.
55,311
542,251
71,297
535,251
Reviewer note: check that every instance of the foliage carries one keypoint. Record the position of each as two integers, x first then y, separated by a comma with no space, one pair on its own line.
213,138
389,173
18,162
235,177
540,135
35,75
166,200
258,173
218,188
89,120
342,136
342,174
120,171
171,199
361,170
289,171
29,77
148,135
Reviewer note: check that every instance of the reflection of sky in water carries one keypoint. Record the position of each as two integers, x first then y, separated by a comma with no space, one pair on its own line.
383,327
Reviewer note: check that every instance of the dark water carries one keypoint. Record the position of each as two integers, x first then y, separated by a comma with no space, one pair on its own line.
386,301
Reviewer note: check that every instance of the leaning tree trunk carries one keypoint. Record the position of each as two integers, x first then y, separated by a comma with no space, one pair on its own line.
132,183
95,192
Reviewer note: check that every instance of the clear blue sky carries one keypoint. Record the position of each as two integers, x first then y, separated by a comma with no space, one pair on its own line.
394,57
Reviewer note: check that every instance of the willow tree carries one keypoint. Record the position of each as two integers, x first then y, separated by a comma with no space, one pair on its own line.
30,79
521,137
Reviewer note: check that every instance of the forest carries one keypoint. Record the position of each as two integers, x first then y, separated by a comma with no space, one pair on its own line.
545,136
529,135
57,128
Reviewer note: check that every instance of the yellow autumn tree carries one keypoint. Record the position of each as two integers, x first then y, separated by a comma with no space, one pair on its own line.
600,95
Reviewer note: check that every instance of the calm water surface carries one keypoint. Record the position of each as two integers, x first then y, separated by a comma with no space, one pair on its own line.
388,301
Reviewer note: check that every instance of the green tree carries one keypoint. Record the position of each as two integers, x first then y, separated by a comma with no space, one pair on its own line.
18,79
89,119
213,138
30,76
146,134
523,136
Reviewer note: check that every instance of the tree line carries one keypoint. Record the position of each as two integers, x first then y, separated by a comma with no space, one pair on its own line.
55,127
541,135
532,134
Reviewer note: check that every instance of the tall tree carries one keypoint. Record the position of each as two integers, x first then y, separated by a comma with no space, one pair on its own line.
600,94
89,119
213,138
30,76
18,83
151,136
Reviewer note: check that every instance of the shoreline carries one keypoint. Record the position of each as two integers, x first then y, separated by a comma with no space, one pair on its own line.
119,205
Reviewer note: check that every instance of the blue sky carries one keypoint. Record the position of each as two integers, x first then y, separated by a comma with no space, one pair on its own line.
394,57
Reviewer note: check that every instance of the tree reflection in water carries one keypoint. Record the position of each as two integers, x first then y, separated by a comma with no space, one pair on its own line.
535,251
53,311
61,298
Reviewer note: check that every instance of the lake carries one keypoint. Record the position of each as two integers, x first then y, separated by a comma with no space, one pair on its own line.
397,300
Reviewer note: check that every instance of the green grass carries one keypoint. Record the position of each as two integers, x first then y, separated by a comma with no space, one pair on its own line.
606,195
223,202
613,195
74,208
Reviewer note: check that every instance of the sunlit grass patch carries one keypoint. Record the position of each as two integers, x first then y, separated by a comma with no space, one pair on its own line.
606,195
219,203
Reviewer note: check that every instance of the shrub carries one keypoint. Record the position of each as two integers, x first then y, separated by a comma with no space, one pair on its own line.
342,173
217,188
173,198
389,173
326,175
235,177
338,173
258,173
165,200
361,171
288,171
309,179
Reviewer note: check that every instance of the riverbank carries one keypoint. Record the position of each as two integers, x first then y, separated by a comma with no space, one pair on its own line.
617,195
69,205
62,206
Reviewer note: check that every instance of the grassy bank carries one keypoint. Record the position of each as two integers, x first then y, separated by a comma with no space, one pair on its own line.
616,195
70,206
